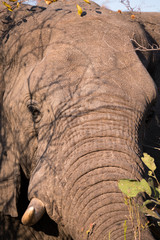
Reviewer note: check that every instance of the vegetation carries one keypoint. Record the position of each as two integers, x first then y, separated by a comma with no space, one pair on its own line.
151,187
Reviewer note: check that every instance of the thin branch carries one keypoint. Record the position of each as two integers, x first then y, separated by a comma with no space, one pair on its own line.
141,48
127,5
149,146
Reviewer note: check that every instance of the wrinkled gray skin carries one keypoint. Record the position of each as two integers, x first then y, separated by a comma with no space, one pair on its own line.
75,99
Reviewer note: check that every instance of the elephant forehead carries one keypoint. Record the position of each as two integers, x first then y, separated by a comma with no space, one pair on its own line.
66,72
58,71
73,54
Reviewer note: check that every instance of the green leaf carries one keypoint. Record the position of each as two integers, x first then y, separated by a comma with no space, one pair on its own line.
149,162
155,193
149,212
145,186
158,192
132,187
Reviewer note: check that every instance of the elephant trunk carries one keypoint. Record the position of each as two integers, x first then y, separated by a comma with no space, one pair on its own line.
102,152
92,204
78,183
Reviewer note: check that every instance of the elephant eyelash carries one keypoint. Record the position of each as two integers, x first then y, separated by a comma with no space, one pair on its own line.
36,114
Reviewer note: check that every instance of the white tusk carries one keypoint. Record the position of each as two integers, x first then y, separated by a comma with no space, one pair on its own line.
28,215
34,212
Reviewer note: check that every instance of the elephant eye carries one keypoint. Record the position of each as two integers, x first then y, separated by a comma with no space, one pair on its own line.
35,112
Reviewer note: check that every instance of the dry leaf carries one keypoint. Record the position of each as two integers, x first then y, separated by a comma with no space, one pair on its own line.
87,1
48,2
80,11
8,6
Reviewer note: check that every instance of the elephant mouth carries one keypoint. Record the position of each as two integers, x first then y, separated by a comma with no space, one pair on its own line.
34,212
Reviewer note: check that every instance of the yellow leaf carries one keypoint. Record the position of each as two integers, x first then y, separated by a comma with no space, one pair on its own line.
50,1
10,9
80,11
8,6
87,1
88,231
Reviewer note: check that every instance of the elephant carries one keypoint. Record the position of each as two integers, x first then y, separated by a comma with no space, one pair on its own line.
76,102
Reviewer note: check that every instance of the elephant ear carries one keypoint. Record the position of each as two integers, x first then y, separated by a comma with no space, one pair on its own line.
9,168
9,171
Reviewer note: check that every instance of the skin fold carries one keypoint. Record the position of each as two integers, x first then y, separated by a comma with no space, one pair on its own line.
76,96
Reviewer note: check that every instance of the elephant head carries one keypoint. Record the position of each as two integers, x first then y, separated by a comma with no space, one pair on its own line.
75,101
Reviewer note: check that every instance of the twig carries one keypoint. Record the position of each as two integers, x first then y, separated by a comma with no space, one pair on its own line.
144,49
149,146
127,5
